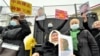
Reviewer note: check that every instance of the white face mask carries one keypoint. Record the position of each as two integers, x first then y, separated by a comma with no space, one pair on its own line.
13,23
74,26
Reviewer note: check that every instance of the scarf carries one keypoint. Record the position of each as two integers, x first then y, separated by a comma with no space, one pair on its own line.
74,38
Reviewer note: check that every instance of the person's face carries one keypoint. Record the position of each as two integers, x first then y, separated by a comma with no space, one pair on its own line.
22,15
74,21
40,11
63,44
85,8
97,24
54,37
17,22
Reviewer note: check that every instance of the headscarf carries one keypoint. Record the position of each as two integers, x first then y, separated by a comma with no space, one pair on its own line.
55,43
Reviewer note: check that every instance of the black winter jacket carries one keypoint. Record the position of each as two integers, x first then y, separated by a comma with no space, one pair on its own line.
18,40
87,45
96,34
48,49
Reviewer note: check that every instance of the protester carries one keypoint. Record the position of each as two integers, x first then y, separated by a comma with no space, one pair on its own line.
40,22
50,48
96,32
17,22
84,43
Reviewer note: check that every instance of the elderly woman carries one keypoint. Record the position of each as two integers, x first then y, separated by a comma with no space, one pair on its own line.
84,43
96,32
96,27
50,48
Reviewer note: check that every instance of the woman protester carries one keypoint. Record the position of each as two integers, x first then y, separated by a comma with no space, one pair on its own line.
15,23
84,43
96,32
50,48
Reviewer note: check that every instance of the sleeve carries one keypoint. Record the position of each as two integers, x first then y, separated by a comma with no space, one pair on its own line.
1,29
60,27
92,44
40,26
25,28
85,24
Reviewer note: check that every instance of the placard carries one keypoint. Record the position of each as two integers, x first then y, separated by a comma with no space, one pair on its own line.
65,46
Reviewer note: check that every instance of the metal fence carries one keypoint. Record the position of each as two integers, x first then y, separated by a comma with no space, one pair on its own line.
71,9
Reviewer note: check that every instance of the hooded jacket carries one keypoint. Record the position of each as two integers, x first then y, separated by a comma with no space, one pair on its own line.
50,48
96,34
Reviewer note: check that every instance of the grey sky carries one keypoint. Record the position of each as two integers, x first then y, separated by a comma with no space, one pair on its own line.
60,2
69,9
54,2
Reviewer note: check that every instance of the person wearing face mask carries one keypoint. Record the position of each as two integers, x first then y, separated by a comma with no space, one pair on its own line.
96,32
40,22
14,21
84,43
18,22
50,48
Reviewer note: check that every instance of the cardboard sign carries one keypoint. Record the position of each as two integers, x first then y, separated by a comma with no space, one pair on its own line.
18,5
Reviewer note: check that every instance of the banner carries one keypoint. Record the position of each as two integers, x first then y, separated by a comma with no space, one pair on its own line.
18,5
65,46
84,7
60,14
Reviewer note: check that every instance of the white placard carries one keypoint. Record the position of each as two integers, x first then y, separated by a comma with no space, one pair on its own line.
10,46
65,45
40,18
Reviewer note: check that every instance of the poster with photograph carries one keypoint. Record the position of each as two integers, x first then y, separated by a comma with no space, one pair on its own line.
40,14
65,46
84,7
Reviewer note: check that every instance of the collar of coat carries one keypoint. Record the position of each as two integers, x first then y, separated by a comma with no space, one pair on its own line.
50,44
68,32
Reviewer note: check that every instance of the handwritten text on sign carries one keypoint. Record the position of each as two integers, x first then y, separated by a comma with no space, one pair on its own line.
18,5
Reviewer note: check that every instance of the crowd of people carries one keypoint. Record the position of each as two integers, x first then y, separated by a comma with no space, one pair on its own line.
85,40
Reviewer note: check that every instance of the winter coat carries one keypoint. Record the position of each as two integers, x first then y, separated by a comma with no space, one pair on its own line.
96,34
85,25
87,45
49,48
18,40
